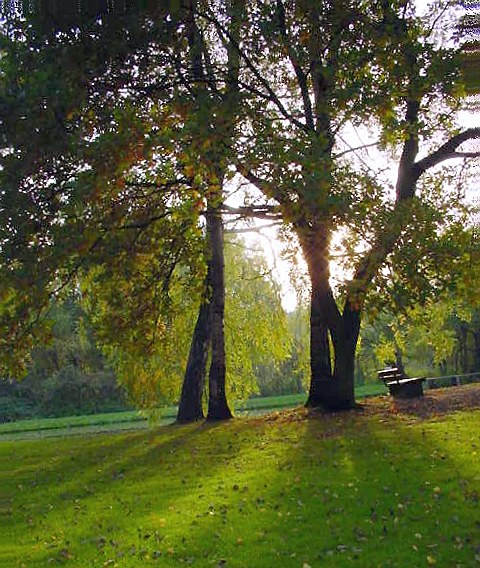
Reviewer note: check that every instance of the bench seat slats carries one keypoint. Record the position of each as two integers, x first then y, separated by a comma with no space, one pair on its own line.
404,381
399,385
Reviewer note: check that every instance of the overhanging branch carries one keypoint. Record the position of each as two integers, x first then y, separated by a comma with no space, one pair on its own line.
265,186
272,96
253,229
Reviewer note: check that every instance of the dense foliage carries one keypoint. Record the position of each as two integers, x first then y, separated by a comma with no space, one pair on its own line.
88,366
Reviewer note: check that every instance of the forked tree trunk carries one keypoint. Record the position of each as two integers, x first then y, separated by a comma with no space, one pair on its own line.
329,330
190,408
217,400
224,125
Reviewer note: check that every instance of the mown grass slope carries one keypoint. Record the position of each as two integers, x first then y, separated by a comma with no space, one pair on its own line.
294,489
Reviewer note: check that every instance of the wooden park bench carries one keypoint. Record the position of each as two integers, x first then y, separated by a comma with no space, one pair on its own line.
399,385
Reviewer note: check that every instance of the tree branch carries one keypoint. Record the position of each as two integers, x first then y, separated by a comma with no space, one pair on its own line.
465,155
448,150
354,149
268,212
272,96
144,224
300,74
263,185
253,229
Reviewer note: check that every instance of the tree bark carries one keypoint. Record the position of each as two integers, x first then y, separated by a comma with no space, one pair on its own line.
315,248
328,329
320,360
217,400
345,345
190,408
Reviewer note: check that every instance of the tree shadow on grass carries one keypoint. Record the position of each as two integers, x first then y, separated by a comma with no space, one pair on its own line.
292,488
407,484
89,486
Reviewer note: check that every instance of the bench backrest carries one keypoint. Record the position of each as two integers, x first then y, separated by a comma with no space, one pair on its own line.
392,374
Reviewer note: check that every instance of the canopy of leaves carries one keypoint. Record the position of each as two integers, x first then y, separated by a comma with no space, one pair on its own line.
105,140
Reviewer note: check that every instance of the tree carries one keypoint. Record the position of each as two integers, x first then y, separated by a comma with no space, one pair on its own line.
193,108
71,198
296,154
306,75
152,372
216,109
69,375
432,329
292,376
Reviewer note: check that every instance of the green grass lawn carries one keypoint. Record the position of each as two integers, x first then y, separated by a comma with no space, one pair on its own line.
133,420
36,424
292,400
350,489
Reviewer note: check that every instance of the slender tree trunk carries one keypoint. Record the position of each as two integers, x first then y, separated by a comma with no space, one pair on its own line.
476,351
224,128
462,338
190,408
217,401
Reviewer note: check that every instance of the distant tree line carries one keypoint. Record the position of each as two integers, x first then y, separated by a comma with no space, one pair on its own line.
66,377
71,375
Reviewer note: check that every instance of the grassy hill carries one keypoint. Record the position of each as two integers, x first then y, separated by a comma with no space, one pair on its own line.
379,486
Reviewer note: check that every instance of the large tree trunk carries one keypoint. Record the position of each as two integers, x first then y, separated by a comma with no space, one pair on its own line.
190,408
328,329
320,360
217,400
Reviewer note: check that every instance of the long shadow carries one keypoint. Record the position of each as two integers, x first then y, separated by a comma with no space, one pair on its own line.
407,482
96,470
375,482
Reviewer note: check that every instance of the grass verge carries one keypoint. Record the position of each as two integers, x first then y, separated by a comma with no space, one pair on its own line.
132,420
295,489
